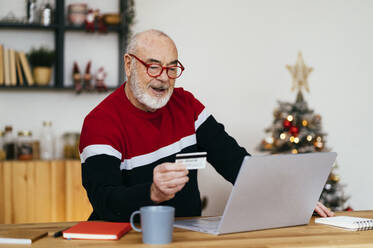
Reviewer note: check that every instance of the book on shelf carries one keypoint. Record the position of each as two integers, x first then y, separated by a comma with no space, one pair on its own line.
12,67
19,72
26,68
19,236
6,67
98,230
1,64
347,222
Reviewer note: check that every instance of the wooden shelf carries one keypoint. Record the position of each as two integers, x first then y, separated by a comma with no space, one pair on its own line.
26,26
82,28
48,88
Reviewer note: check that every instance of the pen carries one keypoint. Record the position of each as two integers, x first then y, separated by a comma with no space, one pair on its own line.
59,233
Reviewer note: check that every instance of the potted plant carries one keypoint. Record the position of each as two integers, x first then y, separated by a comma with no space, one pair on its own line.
41,60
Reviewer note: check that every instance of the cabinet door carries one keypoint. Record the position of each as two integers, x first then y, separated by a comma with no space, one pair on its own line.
42,191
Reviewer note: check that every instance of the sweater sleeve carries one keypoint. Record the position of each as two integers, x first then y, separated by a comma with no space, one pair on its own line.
223,152
111,200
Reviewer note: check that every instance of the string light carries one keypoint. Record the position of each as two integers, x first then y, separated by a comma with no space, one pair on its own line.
304,123
309,138
292,139
282,136
296,140
294,151
290,118
269,140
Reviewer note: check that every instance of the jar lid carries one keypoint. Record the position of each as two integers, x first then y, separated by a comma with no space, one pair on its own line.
8,128
70,134
47,123
24,133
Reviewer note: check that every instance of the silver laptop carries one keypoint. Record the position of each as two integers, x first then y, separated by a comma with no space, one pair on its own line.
270,191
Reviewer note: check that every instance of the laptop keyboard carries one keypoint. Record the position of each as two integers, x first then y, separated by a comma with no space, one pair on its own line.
207,224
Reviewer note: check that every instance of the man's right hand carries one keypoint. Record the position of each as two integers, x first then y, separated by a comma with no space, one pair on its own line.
168,179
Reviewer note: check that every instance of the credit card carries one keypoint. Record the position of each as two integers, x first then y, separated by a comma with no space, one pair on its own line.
193,161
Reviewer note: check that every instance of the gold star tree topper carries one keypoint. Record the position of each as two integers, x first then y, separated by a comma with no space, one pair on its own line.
300,73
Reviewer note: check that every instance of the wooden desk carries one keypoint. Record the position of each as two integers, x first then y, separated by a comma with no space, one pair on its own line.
312,235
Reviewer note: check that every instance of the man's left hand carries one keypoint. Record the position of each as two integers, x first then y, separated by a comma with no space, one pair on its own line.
323,211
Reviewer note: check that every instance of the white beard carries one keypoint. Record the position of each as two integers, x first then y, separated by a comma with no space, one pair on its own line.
146,99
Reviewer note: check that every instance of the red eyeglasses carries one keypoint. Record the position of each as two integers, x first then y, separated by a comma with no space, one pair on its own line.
155,70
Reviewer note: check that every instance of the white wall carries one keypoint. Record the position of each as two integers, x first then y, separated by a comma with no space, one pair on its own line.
235,54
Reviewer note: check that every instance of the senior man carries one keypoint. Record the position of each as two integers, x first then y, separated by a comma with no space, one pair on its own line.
129,141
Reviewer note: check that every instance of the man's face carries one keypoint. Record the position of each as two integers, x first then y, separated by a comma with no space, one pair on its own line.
153,93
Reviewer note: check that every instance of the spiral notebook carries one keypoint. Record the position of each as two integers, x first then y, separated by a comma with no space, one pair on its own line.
347,222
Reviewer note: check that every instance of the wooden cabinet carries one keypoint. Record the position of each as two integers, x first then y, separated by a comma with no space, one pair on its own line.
42,191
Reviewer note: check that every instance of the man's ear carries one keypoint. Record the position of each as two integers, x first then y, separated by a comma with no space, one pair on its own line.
127,64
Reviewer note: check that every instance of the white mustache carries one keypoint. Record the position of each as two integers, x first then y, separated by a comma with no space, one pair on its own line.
162,87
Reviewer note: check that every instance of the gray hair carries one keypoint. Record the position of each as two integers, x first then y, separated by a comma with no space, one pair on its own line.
132,44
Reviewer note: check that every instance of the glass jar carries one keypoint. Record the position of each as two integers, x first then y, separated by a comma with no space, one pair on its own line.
46,15
2,150
71,145
47,141
24,145
9,144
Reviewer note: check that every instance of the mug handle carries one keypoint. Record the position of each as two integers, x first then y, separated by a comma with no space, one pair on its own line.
131,221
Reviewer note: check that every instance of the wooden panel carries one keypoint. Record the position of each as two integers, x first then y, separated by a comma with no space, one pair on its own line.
42,191
31,193
19,192
2,199
58,197
77,204
7,186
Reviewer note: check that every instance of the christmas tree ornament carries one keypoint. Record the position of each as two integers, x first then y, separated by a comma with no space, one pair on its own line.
334,178
286,123
294,130
300,73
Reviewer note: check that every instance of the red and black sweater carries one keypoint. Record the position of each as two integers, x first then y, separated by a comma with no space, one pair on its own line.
120,145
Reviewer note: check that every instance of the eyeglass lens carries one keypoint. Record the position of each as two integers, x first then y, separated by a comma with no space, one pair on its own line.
172,72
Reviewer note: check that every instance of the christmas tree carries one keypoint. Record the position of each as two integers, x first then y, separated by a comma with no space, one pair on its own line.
297,129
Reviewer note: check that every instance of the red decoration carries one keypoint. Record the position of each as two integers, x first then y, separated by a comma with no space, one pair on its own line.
348,209
102,28
100,77
88,77
90,21
294,130
287,124
77,78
